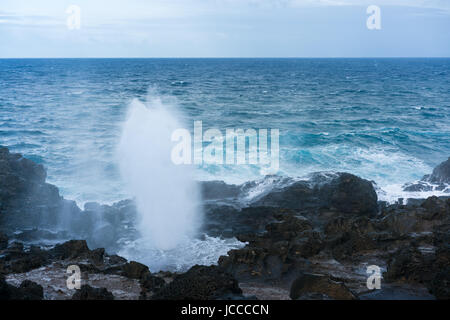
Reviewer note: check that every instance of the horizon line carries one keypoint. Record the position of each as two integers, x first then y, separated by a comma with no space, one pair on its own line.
321,57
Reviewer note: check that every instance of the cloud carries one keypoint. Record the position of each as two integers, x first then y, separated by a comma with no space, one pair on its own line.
15,19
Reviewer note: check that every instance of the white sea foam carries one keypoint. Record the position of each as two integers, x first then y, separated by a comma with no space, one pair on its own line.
393,192
204,251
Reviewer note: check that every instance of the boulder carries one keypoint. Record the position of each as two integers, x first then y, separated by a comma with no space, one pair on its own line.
200,283
70,250
87,292
343,192
308,286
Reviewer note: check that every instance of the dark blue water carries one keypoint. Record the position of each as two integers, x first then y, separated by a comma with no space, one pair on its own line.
384,119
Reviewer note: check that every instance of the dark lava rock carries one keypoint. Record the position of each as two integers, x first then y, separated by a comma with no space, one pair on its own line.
227,221
30,290
70,250
348,237
440,177
350,194
440,174
26,200
213,190
404,220
27,290
410,265
149,285
16,260
200,283
87,292
312,286
135,270
273,254
30,205
3,241
440,285
343,192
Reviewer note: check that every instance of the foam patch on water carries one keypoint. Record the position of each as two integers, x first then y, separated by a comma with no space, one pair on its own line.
205,251
392,193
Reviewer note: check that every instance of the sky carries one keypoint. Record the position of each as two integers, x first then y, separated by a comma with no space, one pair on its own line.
224,28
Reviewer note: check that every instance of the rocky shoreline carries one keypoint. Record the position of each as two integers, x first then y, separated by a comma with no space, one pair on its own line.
304,240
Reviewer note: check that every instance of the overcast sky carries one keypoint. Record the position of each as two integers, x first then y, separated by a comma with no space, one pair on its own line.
224,28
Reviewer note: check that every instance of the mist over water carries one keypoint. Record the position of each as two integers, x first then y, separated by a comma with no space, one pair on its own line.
167,196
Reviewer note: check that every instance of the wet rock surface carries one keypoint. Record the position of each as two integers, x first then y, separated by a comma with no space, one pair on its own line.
411,242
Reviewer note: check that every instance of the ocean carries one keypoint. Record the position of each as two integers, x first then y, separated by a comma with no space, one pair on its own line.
386,120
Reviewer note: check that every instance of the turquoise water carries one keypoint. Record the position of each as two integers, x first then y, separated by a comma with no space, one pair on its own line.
384,119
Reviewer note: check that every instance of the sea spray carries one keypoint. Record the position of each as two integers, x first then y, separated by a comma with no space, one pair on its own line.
167,196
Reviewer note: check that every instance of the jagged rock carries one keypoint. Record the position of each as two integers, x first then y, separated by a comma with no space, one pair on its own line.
313,284
26,200
410,265
407,219
149,285
273,254
87,292
440,178
350,236
438,208
97,256
200,283
440,174
135,270
70,250
16,260
27,290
